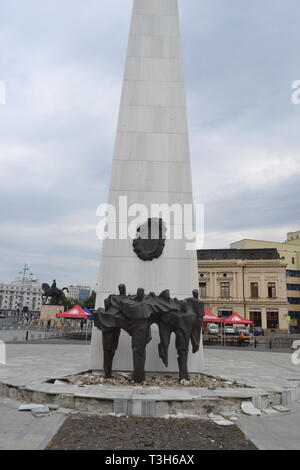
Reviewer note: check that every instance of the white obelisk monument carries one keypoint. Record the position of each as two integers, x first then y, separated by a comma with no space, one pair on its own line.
151,165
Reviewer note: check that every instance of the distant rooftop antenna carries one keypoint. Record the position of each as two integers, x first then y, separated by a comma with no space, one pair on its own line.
25,277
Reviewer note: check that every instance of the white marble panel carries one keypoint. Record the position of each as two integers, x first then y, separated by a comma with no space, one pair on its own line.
149,198
120,270
154,46
150,176
155,7
152,119
153,69
179,275
136,93
156,147
154,25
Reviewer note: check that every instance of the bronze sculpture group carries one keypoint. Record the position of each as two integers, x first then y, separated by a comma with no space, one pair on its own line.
136,313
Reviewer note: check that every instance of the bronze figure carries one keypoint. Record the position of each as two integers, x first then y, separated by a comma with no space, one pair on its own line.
135,315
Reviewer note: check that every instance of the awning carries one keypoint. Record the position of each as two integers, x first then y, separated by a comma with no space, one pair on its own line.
75,312
236,319
210,317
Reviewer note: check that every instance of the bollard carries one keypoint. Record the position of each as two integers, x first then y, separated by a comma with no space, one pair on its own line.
27,335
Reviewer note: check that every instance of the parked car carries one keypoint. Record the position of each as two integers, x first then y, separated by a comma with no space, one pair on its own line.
229,330
238,331
213,329
258,331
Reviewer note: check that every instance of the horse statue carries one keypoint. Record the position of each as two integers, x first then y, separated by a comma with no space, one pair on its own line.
55,295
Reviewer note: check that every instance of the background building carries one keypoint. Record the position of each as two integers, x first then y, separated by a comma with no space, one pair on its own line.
290,251
79,292
249,282
21,296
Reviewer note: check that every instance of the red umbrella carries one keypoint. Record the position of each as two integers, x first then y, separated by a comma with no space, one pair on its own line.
210,317
236,319
75,312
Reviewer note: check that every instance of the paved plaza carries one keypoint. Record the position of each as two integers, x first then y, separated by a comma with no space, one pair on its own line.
31,365
280,432
28,363
23,431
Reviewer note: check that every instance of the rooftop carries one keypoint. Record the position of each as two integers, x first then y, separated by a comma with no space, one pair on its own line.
243,254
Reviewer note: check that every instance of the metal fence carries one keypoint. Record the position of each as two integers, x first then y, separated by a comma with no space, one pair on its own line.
19,329
268,342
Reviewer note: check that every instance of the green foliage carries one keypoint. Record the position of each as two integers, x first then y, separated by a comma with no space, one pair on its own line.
90,301
87,303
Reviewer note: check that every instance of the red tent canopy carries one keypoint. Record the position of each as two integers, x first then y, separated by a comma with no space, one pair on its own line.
211,317
236,319
75,312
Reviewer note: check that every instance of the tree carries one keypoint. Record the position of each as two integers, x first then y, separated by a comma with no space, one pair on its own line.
69,303
90,302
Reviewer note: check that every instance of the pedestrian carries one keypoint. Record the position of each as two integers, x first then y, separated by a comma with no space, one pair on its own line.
242,339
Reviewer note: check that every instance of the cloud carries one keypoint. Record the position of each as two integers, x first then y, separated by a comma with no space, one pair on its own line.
62,62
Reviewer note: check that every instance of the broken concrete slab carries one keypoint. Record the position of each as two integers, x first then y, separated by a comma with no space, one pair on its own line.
28,407
40,409
270,411
219,420
257,402
65,411
53,406
248,409
281,409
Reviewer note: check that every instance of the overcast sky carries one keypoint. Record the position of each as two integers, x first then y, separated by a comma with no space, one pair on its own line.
62,61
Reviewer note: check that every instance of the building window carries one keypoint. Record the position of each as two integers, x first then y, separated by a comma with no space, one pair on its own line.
272,320
294,300
255,316
293,287
225,290
293,273
225,312
293,260
272,290
254,290
202,289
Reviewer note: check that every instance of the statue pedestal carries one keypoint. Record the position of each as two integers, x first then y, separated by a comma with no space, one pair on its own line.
123,358
48,312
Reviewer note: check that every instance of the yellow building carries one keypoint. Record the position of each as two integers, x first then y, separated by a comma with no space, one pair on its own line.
249,282
290,252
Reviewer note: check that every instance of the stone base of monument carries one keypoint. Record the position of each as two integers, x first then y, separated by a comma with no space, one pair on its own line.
123,361
48,312
167,402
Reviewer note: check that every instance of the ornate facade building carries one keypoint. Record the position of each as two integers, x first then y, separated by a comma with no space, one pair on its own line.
290,252
249,282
